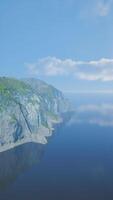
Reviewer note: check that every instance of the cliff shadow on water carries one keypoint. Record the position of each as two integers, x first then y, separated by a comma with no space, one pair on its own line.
18,160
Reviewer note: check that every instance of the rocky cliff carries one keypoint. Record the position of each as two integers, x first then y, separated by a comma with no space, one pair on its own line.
28,110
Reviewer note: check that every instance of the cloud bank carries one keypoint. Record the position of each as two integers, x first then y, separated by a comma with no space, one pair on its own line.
94,70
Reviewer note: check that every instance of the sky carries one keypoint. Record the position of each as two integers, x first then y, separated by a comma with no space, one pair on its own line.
67,43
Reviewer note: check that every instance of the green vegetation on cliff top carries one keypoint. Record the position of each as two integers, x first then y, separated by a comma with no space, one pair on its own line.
11,85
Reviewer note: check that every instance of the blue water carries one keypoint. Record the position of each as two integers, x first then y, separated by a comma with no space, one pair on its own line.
76,164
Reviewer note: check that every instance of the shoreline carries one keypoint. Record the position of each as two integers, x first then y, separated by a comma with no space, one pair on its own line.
24,141
39,138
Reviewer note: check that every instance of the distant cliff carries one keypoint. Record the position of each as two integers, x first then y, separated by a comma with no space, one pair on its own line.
28,110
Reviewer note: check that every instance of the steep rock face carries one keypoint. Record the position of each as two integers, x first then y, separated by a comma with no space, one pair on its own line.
28,109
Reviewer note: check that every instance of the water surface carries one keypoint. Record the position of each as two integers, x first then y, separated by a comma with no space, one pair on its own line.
76,164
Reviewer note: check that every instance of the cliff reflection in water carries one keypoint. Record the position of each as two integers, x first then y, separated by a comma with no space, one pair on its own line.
17,160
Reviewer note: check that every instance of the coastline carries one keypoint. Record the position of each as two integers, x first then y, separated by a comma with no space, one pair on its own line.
19,143
40,137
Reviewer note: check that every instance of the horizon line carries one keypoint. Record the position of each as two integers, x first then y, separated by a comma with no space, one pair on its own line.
89,91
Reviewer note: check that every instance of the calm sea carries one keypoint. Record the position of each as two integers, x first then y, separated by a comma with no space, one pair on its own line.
77,162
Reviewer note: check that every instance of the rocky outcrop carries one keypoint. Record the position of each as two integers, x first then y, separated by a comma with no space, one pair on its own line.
28,110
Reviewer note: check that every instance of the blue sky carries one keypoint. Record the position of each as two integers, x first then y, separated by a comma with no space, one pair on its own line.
68,43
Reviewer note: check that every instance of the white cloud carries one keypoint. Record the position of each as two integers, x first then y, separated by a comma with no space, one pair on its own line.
98,8
94,70
51,66
102,75
102,62
103,8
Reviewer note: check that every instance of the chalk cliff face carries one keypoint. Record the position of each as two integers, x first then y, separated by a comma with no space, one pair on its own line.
28,109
